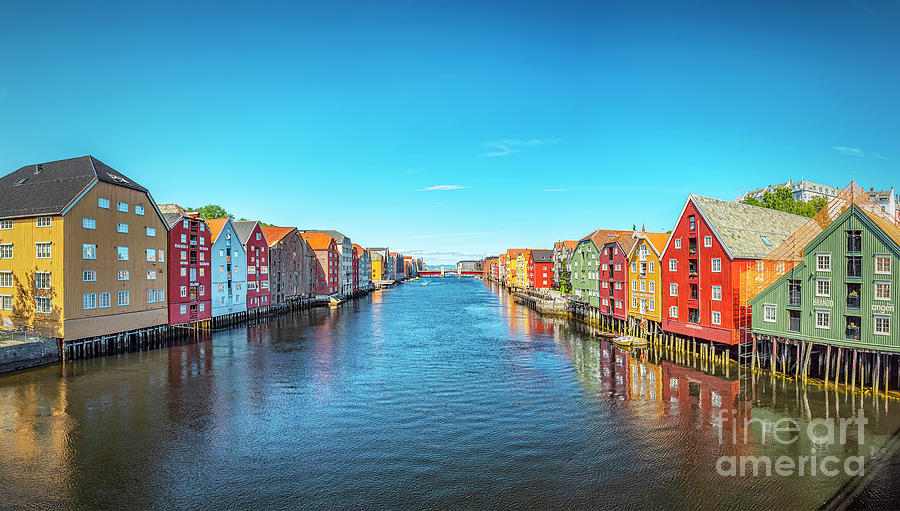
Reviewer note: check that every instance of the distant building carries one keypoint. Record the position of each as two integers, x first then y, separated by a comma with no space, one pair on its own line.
364,267
251,237
469,266
802,190
888,200
290,265
327,264
345,249
229,269
540,269
190,289
562,260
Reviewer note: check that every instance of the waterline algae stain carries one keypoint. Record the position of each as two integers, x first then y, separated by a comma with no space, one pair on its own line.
445,396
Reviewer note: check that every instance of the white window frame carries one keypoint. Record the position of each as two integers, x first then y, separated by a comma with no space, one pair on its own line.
44,275
88,301
11,279
828,283
673,264
43,221
43,244
707,241
827,315
126,295
716,265
4,298
890,264
673,312
823,257
673,289
715,318
89,276
104,300
767,308
119,253
41,310
678,243
717,293
875,320
882,284
3,249
6,225
88,247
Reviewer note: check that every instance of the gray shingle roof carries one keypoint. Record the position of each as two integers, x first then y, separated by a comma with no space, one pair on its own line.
243,229
49,188
335,235
542,255
171,218
741,228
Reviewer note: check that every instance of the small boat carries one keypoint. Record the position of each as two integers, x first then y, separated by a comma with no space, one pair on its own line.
627,340
424,284
604,335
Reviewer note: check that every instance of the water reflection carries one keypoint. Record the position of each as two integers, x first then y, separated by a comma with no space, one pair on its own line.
445,396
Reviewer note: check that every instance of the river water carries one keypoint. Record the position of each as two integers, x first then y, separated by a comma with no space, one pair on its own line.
441,397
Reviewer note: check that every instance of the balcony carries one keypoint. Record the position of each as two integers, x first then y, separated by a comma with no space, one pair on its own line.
692,246
853,302
854,267
852,333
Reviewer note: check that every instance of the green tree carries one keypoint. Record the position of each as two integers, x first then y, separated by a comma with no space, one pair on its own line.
211,211
782,199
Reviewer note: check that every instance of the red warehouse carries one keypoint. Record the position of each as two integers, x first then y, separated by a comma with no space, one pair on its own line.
254,241
190,280
614,276
712,245
540,269
327,276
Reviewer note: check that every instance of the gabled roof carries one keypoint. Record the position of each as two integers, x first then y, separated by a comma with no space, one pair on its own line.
601,237
541,255
656,240
567,244
317,240
215,227
275,234
513,253
359,250
51,188
172,218
243,229
337,236
741,228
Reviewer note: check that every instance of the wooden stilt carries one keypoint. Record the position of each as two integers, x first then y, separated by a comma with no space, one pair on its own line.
827,363
853,377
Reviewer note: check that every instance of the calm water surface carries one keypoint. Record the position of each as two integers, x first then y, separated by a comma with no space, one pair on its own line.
445,396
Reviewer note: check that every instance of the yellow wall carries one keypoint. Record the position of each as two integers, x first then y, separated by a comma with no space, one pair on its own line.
377,269
649,258
24,264
521,271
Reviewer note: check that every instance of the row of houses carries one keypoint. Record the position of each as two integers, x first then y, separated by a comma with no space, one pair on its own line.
728,271
87,252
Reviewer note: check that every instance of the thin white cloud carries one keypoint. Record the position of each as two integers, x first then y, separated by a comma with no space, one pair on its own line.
509,146
441,187
857,152
556,190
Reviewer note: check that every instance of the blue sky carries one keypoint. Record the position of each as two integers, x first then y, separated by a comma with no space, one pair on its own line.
451,129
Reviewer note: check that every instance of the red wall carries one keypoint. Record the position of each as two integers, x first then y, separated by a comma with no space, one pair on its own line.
355,271
536,274
613,254
728,278
327,268
258,258
195,249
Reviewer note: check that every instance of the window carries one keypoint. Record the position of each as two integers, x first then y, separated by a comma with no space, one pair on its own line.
795,292
692,222
6,251
203,272
6,302
258,236
184,237
823,262
42,280
854,241
151,232
138,210
184,255
151,255
716,265
183,309
103,300
124,298
42,304
42,250
652,305
202,290
122,206
673,312
823,287
202,307
673,289
122,253
88,223
882,290
770,314
717,293
202,239
883,264
183,291
151,274
182,271
673,265
160,295
652,286
193,274
643,285
707,241
634,285
6,225
6,279
43,221
823,319
793,321
882,325
122,227
634,302
160,256
103,203
651,267
151,296
716,318
202,256
122,275
633,267
89,301
88,251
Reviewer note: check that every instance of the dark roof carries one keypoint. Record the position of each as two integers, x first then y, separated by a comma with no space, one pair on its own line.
542,256
171,218
338,237
51,187
243,229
